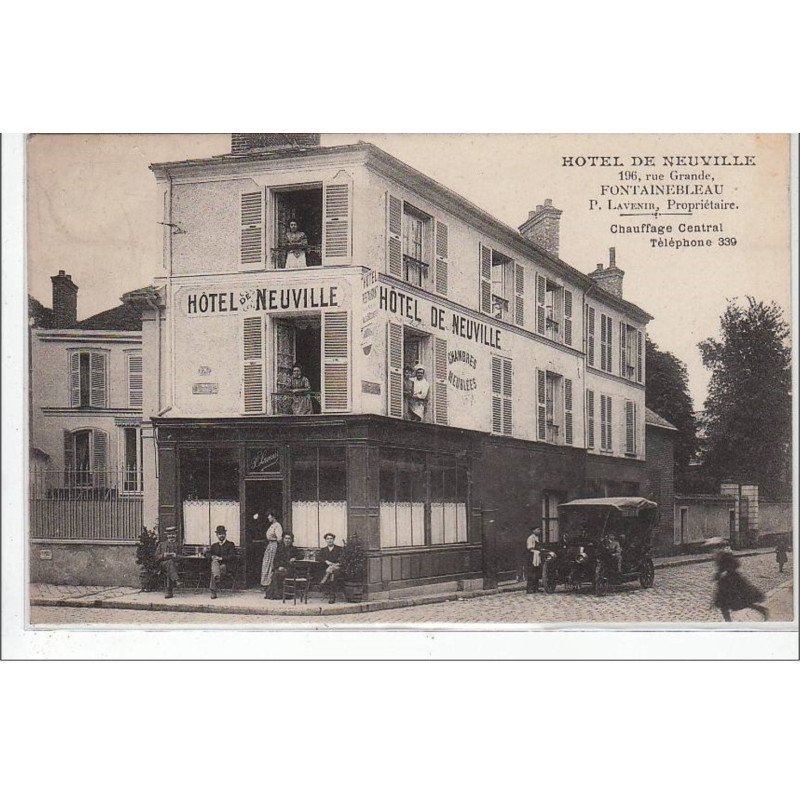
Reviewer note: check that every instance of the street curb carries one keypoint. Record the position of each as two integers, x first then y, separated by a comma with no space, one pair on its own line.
702,559
209,607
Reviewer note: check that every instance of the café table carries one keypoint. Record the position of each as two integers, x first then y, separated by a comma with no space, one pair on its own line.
194,567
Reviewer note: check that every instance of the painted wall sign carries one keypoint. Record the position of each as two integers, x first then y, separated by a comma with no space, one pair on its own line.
441,319
205,388
301,298
460,363
370,387
369,305
267,460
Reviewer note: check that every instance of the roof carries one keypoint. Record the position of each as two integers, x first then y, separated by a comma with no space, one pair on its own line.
651,418
378,157
124,317
620,503
42,317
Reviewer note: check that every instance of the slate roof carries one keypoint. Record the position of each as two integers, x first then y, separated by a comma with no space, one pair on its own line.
651,418
124,317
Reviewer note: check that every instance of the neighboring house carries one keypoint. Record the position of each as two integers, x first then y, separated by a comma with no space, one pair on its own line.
660,441
86,385
536,370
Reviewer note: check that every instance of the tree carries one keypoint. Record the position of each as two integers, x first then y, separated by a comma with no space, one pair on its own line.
748,415
667,393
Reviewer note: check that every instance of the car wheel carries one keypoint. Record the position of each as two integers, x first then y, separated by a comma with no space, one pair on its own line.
647,576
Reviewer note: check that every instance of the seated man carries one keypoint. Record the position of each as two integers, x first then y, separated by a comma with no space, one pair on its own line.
329,556
223,558
285,556
165,556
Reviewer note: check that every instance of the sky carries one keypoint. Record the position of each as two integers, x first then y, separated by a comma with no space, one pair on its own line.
93,211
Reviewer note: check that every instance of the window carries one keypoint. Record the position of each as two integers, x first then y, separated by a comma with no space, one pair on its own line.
416,227
319,494
590,419
606,342
502,286
413,492
590,335
132,459
502,396
88,379
403,496
553,310
605,423
303,206
630,428
550,503
552,408
629,352
135,384
86,458
209,483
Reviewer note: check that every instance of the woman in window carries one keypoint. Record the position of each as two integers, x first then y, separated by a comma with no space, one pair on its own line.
420,389
296,246
300,389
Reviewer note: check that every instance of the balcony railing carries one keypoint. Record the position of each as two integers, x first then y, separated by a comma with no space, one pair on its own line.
414,270
287,404
552,433
500,307
313,256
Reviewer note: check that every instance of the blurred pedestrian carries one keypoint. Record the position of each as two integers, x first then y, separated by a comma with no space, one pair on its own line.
734,592
780,554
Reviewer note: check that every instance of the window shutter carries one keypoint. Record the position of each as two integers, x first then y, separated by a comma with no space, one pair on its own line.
541,296
508,397
567,317
135,386
497,395
337,207
253,364
335,361
97,380
251,246
609,422
74,379
590,419
623,365
394,232
69,458
639,357
590,335
440,380
394,381
541,398
485,298
519,295
100,457
567,411
610,348
630,427
442,250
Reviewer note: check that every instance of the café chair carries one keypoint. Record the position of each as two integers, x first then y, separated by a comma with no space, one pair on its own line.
296,584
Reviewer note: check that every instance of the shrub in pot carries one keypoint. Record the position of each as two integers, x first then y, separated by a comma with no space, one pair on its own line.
353,569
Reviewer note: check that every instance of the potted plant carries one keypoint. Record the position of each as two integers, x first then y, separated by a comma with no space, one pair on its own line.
145,558
353,566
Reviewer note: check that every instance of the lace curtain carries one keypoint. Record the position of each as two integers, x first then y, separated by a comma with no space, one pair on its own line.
201,517
448,523
312,520
402,524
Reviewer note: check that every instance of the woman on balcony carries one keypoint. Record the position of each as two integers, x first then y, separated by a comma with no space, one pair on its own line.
300,389
296,246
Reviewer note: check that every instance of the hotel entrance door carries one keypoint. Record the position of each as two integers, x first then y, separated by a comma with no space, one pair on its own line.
261,497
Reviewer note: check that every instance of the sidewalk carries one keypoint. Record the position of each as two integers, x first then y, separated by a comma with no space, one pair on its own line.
251,601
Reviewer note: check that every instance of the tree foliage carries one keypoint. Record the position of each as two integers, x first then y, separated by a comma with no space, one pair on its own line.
748,415
667,393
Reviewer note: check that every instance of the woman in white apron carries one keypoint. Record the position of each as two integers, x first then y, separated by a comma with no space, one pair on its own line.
274,535
296,246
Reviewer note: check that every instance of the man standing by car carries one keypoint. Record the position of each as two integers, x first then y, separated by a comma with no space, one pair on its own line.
533,546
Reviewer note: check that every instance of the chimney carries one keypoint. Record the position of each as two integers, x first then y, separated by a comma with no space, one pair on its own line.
542,226
247,142
609,279
65,300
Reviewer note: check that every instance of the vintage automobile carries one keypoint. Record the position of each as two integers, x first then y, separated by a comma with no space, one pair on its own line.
603,541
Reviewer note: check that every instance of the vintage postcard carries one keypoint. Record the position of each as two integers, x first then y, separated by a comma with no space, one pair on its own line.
310,380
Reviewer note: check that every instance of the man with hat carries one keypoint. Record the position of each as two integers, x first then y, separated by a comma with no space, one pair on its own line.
165,555
223,558
329,556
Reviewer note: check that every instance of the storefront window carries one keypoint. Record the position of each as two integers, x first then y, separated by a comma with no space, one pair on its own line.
403,497
210,493
319,494
448,502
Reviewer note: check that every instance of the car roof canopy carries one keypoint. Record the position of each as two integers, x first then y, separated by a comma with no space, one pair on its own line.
618,503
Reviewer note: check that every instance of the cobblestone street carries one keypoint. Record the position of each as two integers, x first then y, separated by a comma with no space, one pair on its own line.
680,594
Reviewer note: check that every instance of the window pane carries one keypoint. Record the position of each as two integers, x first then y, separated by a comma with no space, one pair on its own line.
304,474
332,474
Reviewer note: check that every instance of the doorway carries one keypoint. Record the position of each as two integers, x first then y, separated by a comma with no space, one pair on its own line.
261,497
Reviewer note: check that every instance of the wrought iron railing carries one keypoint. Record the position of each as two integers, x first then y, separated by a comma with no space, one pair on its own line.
288,404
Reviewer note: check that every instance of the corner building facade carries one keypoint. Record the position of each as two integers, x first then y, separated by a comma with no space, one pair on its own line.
399,272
